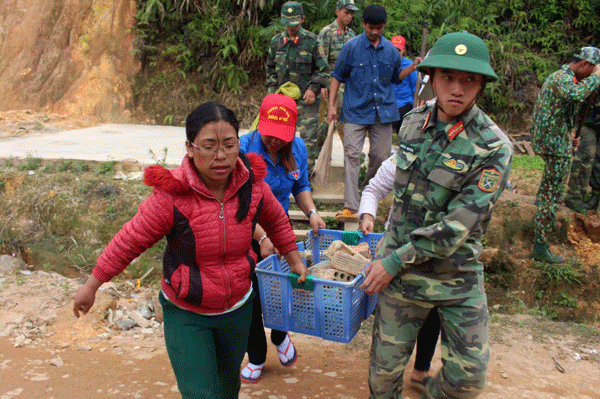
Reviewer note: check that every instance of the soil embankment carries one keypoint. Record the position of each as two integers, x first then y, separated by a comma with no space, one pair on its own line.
71,57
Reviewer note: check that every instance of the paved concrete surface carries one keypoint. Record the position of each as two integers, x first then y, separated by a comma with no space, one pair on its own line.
112,142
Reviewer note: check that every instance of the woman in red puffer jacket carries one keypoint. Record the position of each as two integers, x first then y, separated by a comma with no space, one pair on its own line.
208,209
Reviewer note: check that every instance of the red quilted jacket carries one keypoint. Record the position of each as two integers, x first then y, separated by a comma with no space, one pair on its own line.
208,262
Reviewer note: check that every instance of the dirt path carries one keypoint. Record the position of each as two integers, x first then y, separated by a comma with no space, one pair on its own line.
60,357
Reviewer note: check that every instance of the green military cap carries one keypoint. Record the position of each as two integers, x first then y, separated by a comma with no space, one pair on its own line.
349,4
291,13
461,51
589,54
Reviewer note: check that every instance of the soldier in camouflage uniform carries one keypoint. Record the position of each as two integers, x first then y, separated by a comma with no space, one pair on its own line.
583,160
296,56
553,121
451,167
332,37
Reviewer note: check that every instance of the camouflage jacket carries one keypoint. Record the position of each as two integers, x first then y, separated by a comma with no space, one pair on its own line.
299,61
332,38
446,184
555,110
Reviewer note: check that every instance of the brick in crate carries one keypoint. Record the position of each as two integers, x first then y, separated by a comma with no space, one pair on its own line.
332,309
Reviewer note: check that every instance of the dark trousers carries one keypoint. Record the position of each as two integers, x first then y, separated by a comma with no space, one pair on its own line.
257,339
427,341
403,110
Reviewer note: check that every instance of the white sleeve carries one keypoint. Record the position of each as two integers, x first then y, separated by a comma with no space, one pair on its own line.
379,186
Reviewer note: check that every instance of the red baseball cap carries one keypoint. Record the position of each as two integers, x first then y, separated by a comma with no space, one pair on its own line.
278,114
399,42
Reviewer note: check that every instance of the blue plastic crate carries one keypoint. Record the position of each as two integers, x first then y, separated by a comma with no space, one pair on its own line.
332,310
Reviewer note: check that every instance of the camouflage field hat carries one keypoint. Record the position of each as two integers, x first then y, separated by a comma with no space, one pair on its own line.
589,54
291,13
461,51
348,4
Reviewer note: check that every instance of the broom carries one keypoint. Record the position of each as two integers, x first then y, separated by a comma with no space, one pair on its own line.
323,164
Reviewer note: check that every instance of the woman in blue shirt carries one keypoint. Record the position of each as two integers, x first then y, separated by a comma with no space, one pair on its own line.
405,90
287,172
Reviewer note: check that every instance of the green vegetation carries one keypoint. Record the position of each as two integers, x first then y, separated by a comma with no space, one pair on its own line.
106,168
162,160
196,49
31,163
526,162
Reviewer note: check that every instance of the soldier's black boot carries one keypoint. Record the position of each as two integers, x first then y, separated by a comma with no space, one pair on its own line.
575,205
542,253
592,204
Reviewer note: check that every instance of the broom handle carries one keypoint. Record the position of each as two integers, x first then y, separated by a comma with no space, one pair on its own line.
423,49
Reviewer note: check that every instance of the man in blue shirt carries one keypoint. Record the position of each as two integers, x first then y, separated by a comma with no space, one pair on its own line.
368,65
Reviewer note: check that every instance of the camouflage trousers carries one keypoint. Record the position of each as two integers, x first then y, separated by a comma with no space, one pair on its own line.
306,127
581,166
465,348
549,195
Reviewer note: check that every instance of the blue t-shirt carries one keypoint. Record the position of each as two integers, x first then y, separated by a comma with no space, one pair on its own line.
281,182
405,91
368,73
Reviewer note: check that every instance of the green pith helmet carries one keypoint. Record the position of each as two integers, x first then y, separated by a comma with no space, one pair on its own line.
462,51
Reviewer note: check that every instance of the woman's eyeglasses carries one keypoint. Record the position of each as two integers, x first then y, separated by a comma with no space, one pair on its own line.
212,150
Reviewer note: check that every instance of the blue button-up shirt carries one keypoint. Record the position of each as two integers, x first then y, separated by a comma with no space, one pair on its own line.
368,74
281,182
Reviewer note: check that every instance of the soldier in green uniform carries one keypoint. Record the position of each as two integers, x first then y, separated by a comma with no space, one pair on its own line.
583,159
451,167
332,37
552,124
296,56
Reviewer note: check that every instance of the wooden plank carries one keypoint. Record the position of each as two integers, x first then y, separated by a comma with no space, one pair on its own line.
528,148
301,235
351,226
517,144
299,215
325,198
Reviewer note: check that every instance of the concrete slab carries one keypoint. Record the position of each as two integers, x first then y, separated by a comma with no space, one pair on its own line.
108,142
114,142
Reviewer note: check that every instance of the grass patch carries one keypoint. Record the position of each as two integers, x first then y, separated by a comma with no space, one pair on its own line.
526,162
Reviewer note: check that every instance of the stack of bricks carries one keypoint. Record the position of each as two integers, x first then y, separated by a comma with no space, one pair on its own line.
345,262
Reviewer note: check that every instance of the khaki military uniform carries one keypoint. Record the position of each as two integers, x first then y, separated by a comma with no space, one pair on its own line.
446,183
332,38
302,62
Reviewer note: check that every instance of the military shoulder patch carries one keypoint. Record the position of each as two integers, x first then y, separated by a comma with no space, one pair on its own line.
489,181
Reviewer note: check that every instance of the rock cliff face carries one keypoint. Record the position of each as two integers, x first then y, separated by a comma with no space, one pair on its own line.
70,57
